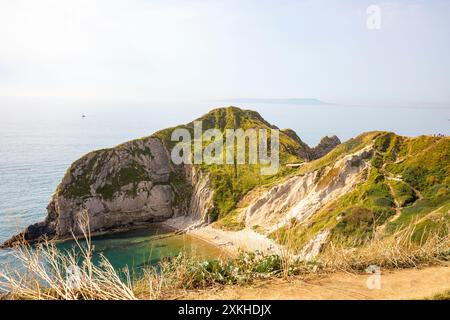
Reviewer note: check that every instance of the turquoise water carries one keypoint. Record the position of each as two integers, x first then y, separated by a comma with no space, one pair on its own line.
144,247
39,140
133,250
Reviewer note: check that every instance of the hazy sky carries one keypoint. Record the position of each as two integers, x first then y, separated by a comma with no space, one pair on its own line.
192,49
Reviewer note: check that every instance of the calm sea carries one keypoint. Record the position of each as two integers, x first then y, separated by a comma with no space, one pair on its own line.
39,140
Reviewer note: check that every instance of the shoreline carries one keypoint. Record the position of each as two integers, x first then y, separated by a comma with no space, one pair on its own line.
229,241
6,245
182,225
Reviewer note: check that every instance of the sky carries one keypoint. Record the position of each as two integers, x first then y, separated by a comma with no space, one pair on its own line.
167,50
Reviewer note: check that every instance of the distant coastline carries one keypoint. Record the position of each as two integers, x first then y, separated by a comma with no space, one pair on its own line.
301,101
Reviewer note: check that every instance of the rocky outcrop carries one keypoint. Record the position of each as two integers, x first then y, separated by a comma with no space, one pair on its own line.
118,188
325,145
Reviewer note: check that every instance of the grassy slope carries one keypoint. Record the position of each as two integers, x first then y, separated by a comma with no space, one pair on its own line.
424,165
417,169
230,182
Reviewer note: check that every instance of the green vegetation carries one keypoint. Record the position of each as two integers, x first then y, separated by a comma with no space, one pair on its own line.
241,270
231,182
435,222
350,146
424,168
231,222
404,194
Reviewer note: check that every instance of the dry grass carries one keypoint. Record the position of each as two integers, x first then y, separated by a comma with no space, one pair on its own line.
288,261
440,296
161,282
47,273
395,251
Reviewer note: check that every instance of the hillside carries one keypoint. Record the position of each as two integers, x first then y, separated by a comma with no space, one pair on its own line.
231,183
369,187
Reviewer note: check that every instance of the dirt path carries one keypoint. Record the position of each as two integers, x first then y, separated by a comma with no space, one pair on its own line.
398,208
392,177
398,284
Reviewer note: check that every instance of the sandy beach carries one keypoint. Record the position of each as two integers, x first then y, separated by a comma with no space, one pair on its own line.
230,241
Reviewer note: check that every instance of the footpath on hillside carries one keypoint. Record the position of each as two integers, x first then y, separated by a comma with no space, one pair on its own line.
394,284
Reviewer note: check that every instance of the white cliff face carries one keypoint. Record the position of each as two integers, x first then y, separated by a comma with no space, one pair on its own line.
202,196
200,202
125,186
301,196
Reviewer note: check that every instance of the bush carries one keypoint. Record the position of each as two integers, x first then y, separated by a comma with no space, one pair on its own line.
415,176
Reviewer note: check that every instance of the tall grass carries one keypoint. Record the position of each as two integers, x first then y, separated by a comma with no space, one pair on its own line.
185,272
399,250
48,273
